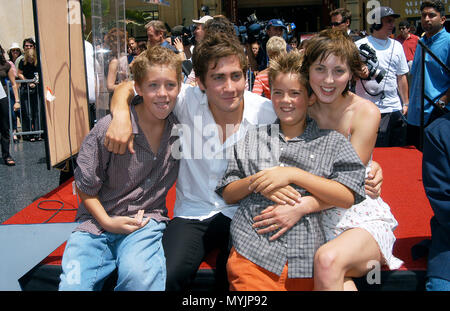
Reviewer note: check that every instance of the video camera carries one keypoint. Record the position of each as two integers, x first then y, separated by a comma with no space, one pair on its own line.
371,60
255,30
185,33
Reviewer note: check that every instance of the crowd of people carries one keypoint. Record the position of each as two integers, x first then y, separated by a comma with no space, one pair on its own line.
270,144
18,64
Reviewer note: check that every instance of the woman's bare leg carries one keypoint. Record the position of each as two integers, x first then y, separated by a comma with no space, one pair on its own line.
347,255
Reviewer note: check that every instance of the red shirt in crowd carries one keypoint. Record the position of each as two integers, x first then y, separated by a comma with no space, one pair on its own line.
409,45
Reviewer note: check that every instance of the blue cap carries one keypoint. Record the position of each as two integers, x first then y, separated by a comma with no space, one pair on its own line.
275,23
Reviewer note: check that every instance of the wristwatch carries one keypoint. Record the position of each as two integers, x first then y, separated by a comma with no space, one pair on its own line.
441,103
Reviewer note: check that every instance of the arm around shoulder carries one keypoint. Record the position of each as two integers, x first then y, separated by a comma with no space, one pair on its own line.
122,97
119,135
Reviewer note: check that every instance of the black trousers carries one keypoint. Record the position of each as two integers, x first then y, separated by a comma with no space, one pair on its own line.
4,126
392,130
30,112
414,131
186,243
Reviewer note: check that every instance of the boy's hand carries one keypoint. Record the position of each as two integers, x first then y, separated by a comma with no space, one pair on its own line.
374,181
280,218
268,180
126,225
284,195
119,135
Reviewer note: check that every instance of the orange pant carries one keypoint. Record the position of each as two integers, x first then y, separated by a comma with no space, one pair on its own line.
244,275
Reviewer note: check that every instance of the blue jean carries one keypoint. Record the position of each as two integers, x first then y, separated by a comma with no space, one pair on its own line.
139,257
437,284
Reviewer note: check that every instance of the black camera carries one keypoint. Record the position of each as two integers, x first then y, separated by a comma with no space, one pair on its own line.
184,33
371,60
256,30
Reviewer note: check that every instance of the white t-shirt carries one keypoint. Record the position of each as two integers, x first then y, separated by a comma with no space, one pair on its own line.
203,164
391,57
2,92
89,54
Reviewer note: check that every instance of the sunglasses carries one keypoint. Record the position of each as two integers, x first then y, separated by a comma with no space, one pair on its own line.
337,23
402,28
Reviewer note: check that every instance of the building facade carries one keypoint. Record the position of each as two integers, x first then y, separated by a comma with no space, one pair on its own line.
308,15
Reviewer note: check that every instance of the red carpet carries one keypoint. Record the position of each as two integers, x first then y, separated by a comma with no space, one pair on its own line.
402,190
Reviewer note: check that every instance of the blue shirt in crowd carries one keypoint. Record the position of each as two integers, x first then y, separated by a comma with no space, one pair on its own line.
437,80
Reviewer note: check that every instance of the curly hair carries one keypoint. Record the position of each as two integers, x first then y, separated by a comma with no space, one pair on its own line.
115,39
155,55
336,42
275,46
219,24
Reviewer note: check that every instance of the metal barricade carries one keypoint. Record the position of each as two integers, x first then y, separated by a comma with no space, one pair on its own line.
423,95
30,114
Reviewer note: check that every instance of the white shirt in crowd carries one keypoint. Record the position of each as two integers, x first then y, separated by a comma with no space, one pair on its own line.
2,92
391,57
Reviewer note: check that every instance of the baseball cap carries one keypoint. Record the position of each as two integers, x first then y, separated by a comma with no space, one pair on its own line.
275,23
202,20
384,11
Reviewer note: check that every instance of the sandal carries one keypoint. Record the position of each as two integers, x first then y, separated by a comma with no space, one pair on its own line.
9,161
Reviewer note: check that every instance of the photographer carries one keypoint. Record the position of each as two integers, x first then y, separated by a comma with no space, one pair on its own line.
381,90
199,34
275,27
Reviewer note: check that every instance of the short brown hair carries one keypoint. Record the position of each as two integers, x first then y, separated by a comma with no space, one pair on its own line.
346,14
288,63
435,4
214,47
157,25
155,55
336,42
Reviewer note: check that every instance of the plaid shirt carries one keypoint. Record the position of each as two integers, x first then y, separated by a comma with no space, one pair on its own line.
125,183
324,153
